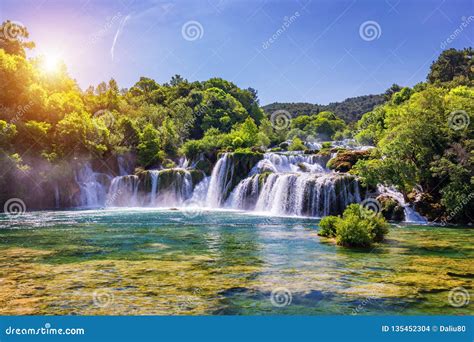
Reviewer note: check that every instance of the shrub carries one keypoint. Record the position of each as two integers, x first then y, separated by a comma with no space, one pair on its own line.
297,145
358,227
327,226
352,232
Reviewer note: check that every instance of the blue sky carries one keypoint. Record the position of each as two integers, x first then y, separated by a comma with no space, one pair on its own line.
320,56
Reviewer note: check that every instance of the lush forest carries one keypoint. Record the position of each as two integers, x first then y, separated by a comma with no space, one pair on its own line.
423,136
349,110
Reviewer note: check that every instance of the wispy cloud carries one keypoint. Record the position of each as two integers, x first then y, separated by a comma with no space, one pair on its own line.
117,34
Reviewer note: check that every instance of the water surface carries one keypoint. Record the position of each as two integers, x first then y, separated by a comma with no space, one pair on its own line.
139,261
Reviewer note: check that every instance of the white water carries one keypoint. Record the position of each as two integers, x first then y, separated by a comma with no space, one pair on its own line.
93,191
220,182
411,216
131,190
298,185
291,183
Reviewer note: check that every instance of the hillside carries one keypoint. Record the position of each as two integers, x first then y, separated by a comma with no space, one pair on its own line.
349,110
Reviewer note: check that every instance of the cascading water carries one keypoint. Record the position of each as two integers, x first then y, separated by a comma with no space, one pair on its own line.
92,186
294,184
169,187
290,183
220,182
411,216
124,191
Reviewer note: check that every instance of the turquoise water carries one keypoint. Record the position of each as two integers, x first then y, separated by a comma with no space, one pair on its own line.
139,261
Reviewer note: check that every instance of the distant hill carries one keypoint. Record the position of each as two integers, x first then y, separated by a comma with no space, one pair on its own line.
349,110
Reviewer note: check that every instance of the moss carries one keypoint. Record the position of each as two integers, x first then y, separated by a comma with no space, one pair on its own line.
391,209
344,161
168,177
241,163
426,205
204,165
197,176
262,177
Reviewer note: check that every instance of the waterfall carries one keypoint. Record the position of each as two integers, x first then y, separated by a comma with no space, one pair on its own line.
294,184
123,191
289,183
155,176
245,194
168,187
220,181
92,186
275,162
411,216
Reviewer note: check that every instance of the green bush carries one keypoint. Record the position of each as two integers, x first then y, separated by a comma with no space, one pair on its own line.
358,227
327,226
297,145
352,232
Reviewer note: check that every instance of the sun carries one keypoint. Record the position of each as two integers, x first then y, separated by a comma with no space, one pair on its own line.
50,63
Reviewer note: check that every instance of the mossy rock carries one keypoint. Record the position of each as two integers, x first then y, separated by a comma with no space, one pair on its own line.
262,177
391,209
344,161
241,163
284,146
428,206
168,177
168,164
197,176
204,165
